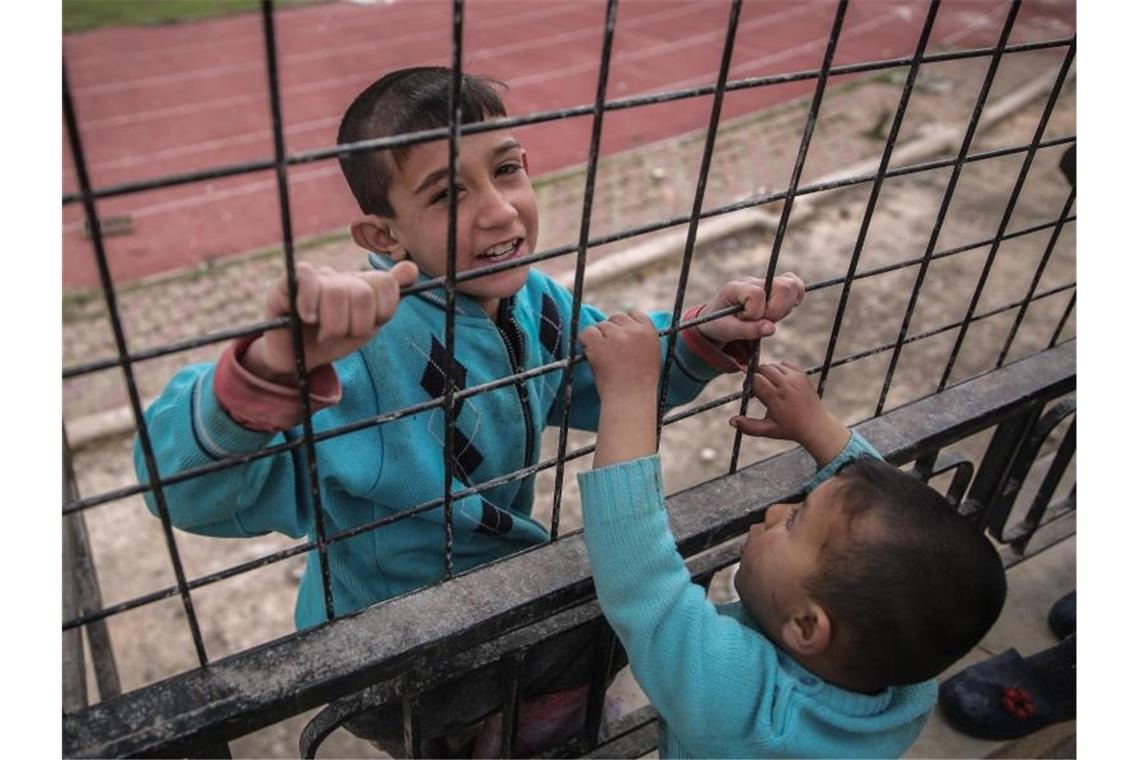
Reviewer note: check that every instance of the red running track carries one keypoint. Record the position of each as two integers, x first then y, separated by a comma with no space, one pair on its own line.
165,100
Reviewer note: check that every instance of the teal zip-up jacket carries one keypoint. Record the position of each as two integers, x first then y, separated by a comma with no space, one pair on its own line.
720,686
381,470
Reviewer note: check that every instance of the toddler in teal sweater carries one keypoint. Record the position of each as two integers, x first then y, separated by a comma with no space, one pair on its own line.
851,600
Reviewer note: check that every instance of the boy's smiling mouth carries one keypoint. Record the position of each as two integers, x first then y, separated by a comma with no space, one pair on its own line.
501,251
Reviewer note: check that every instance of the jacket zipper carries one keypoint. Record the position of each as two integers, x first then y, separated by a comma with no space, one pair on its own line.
520,386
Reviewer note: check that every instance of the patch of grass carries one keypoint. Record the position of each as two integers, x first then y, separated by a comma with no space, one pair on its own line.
84,15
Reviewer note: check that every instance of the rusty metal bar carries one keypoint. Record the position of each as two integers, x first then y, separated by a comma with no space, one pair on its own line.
566,392
698,202
786,211
947,196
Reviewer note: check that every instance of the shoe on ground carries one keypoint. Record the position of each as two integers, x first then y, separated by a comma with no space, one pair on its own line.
1009,696
1063,615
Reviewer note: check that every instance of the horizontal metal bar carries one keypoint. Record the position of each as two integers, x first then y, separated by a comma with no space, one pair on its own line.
437,282
944,328
670,419
441,133
127,491
751,202
233,461
172,348
261,686
833,281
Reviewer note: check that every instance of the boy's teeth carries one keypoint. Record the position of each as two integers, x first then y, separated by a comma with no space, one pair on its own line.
499,250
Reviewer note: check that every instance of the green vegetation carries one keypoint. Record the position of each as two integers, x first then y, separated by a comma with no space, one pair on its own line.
83,15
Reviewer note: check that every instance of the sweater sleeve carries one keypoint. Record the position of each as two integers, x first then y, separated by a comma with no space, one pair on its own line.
857,446
189,428
685,655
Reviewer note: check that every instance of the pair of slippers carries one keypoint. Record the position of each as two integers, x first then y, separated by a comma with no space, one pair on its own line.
1009,696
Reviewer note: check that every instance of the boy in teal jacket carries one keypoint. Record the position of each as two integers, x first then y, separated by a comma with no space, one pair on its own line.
851,601
506,322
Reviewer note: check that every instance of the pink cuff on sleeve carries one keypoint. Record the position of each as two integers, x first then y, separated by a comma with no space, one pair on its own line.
261,405
727,357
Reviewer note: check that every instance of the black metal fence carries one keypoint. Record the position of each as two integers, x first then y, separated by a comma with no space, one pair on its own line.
154,720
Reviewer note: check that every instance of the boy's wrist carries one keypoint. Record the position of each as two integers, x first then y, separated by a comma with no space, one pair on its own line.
627,429
253,361
826,438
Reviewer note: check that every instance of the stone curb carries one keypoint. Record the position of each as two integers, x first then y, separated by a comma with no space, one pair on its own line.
936,138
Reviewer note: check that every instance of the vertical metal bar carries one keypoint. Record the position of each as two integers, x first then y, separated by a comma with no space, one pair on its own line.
80,571
153,476
456,110
947,196
999,478
413,732
294,318
924,465
786,212
74,666
1064,454
510,673
884,164
604,650
1064,319
1036,279
566,392
698,202
1062,73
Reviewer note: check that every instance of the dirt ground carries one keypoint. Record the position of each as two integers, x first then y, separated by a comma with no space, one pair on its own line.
152,643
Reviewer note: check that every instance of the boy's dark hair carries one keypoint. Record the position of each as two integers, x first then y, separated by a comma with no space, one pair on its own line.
911,588
406,100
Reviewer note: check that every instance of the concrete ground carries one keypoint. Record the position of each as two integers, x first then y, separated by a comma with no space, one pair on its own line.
654,182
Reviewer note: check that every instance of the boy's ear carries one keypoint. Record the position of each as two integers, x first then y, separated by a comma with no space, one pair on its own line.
375,233
808,632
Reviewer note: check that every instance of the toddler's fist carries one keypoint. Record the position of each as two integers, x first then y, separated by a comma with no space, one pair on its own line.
625,354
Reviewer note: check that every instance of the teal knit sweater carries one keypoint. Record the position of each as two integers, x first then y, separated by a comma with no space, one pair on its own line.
720,687
381,470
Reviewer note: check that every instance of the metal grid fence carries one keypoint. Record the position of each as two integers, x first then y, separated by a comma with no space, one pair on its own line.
75,504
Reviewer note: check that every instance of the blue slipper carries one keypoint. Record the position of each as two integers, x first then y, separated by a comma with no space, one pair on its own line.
1063,615
1009,696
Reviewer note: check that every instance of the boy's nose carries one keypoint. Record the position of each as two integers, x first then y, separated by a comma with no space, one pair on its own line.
496,210
774,514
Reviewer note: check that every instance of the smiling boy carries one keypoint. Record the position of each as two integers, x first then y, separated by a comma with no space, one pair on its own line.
506,323
851,600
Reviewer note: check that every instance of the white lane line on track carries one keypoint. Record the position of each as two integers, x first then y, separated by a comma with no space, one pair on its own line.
202,199
972,23
134,59
486,54
756,63
657,50
286,59
527,81
91,125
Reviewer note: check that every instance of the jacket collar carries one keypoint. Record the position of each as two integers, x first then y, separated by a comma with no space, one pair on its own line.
464,304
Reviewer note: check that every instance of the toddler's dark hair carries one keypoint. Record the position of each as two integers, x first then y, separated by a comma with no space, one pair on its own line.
912,587
406,100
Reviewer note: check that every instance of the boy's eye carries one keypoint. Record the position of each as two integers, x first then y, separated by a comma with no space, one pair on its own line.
442,194
791,518
509,168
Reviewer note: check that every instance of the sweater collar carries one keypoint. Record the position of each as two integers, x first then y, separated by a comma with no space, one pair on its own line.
836,697
840,699
464,304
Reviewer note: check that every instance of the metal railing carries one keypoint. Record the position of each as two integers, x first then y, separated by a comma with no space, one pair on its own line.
147,721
